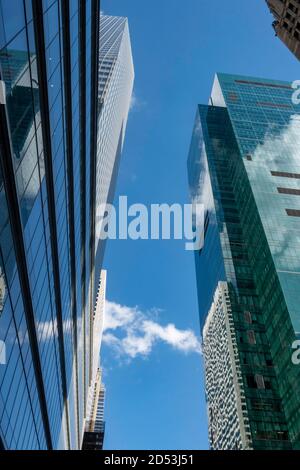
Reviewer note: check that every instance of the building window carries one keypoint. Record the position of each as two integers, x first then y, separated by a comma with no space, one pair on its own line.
268,85
206,223
251,337
267,384
285,174
248,317
260,382
296,192
233,97
269,104
293,212
292,7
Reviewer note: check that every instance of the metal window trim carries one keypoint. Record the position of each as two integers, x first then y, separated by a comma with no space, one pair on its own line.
289,191
95,39
67,66
82,143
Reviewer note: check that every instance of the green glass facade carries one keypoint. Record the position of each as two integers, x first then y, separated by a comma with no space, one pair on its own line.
244,165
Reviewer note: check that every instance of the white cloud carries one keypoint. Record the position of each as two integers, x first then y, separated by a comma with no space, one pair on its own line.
117,316
131,332
279,149
136,103
278,152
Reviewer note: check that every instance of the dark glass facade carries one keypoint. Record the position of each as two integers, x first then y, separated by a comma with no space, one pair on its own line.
244,149
48,137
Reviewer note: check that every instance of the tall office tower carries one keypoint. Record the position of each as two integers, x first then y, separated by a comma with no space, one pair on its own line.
244,166
287,23
95,426
51,127
116,75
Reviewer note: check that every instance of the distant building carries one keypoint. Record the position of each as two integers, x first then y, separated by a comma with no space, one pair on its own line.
97,322
95,426
93,433
287,23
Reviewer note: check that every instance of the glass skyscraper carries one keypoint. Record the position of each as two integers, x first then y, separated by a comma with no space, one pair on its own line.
244,166
116,75
53,166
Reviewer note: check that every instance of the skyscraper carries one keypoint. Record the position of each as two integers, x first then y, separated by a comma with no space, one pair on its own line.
97,324
95,426
287,23
116,75
59,141
244,166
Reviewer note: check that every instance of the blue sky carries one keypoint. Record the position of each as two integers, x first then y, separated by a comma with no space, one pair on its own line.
155,400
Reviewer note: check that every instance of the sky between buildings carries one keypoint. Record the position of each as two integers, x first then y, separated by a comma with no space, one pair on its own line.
154,380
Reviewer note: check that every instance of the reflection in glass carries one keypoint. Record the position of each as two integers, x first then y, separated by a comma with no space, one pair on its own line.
20,76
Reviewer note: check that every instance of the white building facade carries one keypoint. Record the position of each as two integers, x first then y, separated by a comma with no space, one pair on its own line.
228,421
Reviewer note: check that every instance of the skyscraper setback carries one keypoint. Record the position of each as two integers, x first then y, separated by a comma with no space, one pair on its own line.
244,166
61,137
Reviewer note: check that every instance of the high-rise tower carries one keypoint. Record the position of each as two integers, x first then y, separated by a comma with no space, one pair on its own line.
116,75
95,426
60,145
287,23
244,166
